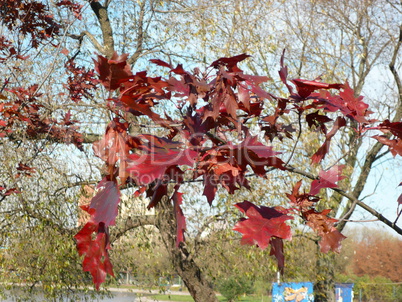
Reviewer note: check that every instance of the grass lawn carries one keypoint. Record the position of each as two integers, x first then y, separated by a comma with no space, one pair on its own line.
189,299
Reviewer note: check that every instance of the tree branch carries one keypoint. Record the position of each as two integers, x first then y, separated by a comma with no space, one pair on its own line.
106,28
130,224
353,199
140,36
88,138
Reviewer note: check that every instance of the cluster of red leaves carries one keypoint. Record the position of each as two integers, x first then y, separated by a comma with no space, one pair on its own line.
153,162
7,192
394,144
71,6
212,137
32,20
265,226
81,82
25,111
304,204
103,210
392,139
23,171
8,51
29,18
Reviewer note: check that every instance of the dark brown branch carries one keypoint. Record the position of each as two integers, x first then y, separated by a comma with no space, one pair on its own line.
353,199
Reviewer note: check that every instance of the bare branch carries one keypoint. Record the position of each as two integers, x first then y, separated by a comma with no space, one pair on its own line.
140,36
354,200
130,224
88,138
93,40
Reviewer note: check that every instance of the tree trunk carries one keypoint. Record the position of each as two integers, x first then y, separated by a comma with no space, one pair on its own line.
181,259
324,287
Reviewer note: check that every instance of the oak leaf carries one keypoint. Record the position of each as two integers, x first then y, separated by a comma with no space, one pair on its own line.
114,71
103,211
262,224
327,179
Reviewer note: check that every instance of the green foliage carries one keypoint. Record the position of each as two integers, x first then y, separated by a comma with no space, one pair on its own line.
233,288
49,266
187,298
261,288
373,288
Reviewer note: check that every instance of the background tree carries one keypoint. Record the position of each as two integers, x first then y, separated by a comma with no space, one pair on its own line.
99,30
376,254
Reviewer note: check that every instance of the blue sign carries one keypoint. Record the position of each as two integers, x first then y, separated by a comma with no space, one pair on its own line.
292,292
344,292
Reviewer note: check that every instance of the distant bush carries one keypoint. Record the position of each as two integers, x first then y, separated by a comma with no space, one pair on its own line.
233,288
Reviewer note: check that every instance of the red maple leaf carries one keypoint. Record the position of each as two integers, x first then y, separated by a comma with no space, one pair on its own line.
96,257
277,251
262,224
161,63
227,165
256,155
114,71
103,206
318,121
103,211
115,146
252,84
346,102
142,93
180,219
395,145
215,166
305,88
283,73
194,129
395,128
323,150
230,63
251,144
324,226
358,109
327,179
331,241
210,182
153,163
302,201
